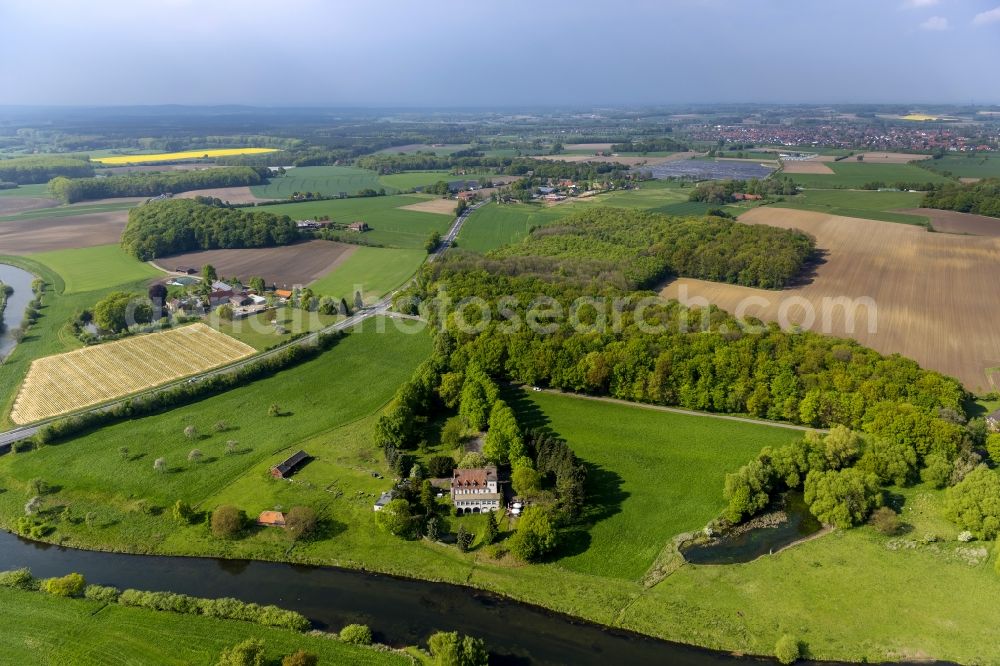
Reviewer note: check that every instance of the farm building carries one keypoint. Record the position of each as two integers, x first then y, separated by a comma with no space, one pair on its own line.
290,465
358,226
186,270
384,499
271,519
283,293
476,490
240,300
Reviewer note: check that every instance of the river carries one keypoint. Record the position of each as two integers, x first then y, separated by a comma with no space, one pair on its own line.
13,314
400,611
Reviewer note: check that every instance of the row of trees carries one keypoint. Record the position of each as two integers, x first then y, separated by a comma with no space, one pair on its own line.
723,191
982,198
648,247
27,170
153,184
648,145
162,228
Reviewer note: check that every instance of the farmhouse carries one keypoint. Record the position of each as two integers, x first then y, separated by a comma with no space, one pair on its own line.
290,465
993,421
271,519
476,490
358,226
467,195
284,294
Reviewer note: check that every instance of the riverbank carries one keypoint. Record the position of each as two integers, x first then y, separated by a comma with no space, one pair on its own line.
43,629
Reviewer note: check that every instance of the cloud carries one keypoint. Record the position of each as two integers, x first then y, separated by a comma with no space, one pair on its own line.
935,23
919,4
984,18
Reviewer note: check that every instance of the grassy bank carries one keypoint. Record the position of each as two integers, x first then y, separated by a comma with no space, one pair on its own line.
42,629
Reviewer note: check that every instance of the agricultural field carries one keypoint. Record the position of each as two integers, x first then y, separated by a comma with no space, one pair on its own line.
865,204
408,180
327,180
375,271
92,375
116,160
284,266
53,229
392,224
90,268
953,222
50,630
852,174
928,302
235,195
968,166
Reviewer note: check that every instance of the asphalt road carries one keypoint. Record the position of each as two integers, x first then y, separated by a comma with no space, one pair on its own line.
381,308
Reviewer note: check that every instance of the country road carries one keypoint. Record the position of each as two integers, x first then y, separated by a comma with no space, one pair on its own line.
380,308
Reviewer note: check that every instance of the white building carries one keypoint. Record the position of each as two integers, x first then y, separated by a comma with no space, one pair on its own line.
476,490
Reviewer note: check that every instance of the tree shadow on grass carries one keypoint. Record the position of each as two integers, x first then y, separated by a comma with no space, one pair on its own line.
604,500
529,415
326,528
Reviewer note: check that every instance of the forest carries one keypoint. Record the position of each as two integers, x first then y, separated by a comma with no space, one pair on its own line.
162,228
154,184
981,198
30,170
646,248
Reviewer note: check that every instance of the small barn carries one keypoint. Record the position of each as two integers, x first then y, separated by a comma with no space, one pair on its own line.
290,465
271,519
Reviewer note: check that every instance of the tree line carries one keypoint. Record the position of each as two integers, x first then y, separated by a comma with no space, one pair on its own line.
648,247
154,184
29,170
162,228
981,198
649,145
723,191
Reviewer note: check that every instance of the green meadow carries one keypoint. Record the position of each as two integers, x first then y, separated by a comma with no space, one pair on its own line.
967,166
90,268
867,204
43,629
851,174
391,225
327,180
377,270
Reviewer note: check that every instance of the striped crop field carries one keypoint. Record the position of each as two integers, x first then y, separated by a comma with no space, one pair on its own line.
67,382
118,160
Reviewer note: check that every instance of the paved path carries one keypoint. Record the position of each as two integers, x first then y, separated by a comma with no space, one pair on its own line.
381,308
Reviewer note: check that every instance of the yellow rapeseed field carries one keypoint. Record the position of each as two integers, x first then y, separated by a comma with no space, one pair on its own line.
919,116
118,160
92,375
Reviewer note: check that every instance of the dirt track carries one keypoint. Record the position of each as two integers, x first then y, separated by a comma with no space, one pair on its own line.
62,233
927,289
285,266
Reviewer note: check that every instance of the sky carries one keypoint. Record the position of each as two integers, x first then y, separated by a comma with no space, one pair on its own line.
481,53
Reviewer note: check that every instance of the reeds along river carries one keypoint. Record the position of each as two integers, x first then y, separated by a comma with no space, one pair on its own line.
399,611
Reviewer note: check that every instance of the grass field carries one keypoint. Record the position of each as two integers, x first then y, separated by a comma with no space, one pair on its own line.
644,463
967,166
258,332
327,180
118,160
68,211
90,268
376,270
865,204
92,375
39,190
391,226
43,629
850,173
410,179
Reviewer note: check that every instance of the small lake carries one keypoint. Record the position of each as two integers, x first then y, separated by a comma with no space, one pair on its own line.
13,314
748,545
400,611
710,170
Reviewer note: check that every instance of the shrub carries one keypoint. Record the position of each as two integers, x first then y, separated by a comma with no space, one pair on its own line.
300,658
357,634
301,521
194,456
395,518
70,585
885,520
183,513
108,595
20,579
37,487
464,538
787,649
937,470
974,504
440,467
227,522
248,653
843,497
535,536
449,649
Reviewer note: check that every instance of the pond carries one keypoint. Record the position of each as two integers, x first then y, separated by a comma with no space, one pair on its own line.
783,526
13,314
710,170
399,611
